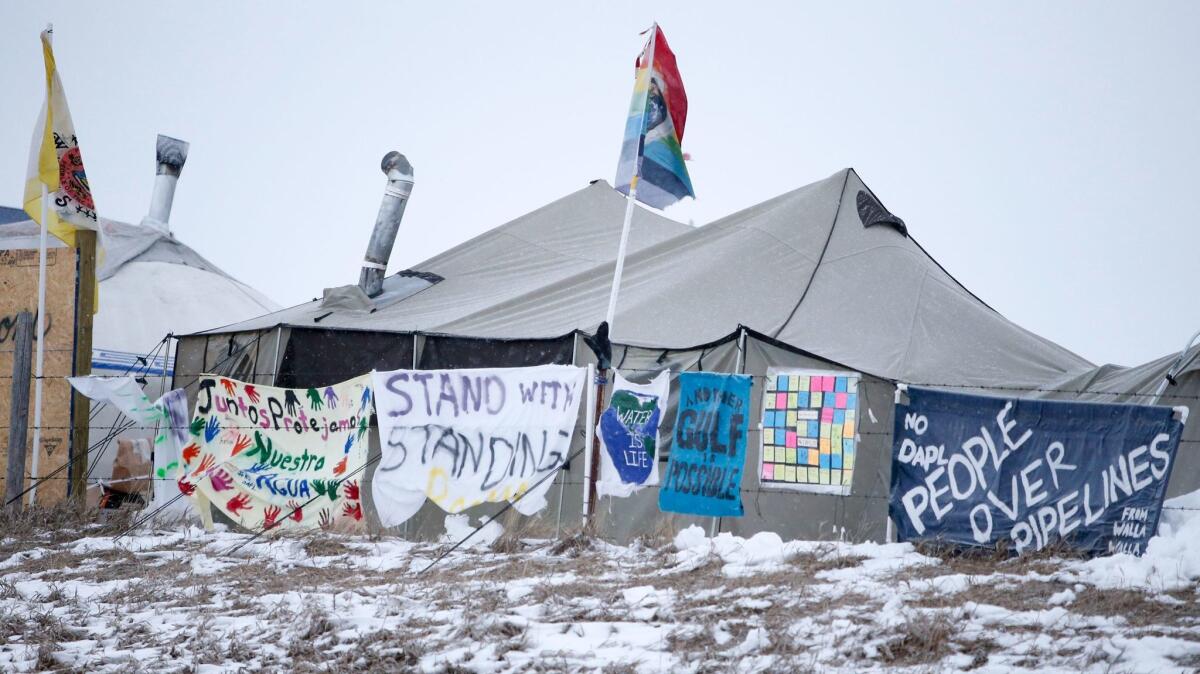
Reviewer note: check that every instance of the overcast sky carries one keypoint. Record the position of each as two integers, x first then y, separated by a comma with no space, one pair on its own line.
1046,155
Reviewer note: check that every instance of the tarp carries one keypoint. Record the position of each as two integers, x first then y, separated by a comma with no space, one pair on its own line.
979,470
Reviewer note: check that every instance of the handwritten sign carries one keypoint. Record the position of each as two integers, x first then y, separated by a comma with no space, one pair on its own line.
261,453
975,470
628,429
704,474
467,437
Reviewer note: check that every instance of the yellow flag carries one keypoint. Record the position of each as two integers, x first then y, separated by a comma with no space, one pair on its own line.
55,161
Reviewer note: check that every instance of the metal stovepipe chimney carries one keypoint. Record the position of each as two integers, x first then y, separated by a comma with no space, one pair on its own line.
171,156
399,186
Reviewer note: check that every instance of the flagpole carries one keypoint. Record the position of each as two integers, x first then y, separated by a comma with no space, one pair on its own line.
633,184
40,334
593,462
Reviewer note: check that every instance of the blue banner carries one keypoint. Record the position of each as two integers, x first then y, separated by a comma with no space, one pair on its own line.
976,470
704,473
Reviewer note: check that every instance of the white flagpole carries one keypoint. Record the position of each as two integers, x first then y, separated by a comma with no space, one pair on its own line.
41,347
40,330
633,184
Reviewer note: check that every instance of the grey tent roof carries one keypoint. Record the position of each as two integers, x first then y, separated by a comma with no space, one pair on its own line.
8,215
803,268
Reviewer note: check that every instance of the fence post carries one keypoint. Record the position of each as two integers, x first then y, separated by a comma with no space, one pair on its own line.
81,405
18,426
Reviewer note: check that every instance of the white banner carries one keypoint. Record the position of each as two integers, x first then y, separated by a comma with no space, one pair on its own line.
466,437
628,429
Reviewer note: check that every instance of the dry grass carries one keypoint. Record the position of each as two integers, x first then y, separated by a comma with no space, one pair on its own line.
323,544
574,544
922,639
465,600
59,523
1139,608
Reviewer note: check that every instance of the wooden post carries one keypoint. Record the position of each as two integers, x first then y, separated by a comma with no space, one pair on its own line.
81,407
18,425
594,453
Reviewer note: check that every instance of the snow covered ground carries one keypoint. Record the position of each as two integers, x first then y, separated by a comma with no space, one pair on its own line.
179,600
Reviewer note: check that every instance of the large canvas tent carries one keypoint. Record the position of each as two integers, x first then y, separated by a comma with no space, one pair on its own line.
821,277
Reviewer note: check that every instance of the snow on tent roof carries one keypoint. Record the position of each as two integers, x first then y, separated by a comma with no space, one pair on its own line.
802,268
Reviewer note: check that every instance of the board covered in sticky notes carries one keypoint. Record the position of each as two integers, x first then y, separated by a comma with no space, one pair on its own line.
809,422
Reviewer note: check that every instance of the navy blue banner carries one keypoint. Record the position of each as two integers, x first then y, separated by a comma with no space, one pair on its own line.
977,470
708,455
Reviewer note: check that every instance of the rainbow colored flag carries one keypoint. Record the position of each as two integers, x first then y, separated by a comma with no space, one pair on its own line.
651,168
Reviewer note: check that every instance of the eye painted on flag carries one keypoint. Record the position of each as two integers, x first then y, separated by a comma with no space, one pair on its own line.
656,106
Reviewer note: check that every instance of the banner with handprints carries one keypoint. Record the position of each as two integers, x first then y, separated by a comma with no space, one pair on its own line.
467,437
277,457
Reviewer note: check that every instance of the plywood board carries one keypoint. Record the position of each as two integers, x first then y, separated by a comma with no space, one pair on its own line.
18,292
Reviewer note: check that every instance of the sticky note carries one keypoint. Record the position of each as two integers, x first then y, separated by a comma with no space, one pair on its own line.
768,471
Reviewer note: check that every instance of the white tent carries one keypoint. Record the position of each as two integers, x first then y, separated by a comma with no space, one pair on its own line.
151,284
